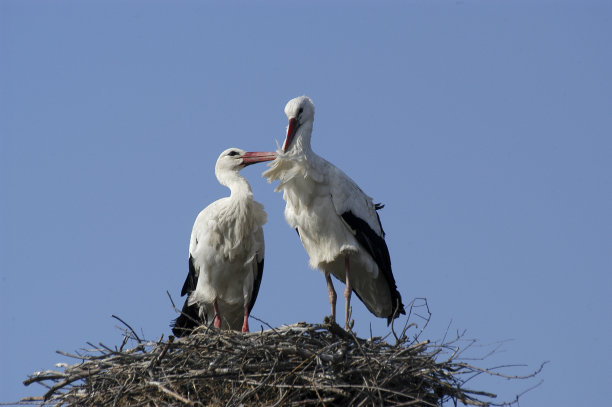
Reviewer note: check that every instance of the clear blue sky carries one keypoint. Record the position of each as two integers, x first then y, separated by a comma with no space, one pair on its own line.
484,126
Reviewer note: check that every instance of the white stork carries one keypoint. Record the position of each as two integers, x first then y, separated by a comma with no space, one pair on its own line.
226,252
336,222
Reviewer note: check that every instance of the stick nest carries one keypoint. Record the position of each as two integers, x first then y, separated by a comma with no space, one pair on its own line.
295,365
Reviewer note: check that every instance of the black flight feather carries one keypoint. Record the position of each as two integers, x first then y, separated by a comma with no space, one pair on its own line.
378,207
256,284
187,321
192,279
190,314
377,248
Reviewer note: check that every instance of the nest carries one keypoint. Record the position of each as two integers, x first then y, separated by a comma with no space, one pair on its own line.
295,365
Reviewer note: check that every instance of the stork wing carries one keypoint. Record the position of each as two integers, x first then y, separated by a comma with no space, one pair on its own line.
259,260
200,227
359,214
203,228
190,314
348,197
192,279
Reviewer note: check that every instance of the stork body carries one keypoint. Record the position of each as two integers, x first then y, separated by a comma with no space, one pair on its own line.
226,252
336,221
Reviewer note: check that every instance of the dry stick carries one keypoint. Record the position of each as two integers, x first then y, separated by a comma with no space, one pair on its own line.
171,393
516,399
415,402
95,349
395,311
48,375
156,361
366,356
489,371
119,393
263,322
71,355
123,343
315,388
67,381
126,324
262,383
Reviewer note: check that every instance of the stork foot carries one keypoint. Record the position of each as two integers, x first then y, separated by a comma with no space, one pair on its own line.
348,326
217,322
332,296
348,323
347,296
245,324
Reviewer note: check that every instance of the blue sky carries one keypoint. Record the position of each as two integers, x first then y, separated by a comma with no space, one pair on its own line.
484,126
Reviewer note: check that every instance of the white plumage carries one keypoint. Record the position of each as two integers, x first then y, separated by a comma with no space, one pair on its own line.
226,252
337,223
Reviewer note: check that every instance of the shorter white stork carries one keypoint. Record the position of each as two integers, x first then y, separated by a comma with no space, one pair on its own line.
226,252
337,223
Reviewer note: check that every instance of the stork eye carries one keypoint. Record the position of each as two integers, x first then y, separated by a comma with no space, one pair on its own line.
301,110
233,153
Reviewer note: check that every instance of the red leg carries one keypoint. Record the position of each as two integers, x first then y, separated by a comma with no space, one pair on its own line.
347,294
217,322
332,296
245,324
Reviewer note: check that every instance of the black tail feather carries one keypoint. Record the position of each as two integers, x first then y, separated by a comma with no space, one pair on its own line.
187,321
397,310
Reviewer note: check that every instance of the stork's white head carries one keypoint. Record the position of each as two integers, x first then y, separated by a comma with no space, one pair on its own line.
234,159
300,112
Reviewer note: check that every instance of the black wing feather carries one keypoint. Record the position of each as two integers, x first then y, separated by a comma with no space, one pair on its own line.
190,314
256,284
192,279
187,321
378,207
377,248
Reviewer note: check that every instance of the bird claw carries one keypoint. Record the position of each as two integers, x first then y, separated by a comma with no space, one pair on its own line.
349,326
245,326
217,323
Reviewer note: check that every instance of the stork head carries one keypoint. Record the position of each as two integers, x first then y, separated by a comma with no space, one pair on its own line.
235,159
300,112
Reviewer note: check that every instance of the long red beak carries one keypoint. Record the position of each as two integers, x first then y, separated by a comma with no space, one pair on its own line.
293,125
253,157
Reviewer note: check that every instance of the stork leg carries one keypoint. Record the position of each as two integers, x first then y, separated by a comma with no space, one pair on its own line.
347,294
245,324
332,296
217,322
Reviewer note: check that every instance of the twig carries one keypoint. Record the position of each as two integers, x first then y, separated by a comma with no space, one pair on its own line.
171,393
130,328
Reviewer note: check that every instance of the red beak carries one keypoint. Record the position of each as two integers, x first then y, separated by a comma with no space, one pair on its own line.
257,157
293,125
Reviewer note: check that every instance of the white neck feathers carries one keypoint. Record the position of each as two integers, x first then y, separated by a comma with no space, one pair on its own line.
235,182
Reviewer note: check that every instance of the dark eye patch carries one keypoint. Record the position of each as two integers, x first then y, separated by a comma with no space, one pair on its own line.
233,153
301,110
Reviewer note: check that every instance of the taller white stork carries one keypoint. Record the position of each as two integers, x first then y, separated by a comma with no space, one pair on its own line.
337,223
226,252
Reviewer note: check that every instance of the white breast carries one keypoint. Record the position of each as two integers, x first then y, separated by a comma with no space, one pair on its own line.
224,248
322,232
